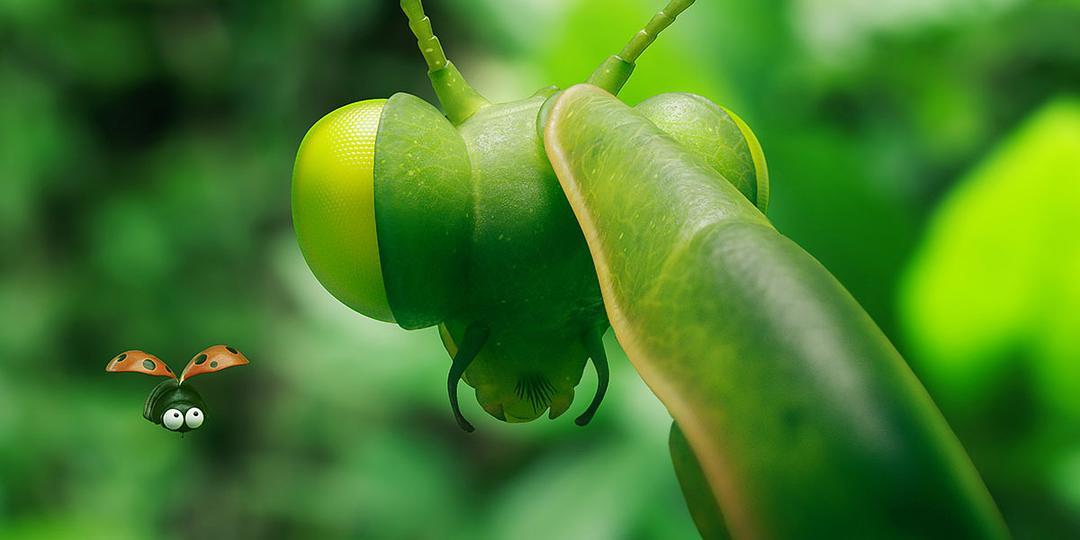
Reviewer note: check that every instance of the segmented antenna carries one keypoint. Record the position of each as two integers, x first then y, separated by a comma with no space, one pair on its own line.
420,25
616,70
458,98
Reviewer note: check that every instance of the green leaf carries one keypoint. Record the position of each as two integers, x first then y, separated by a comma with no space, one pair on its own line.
997,279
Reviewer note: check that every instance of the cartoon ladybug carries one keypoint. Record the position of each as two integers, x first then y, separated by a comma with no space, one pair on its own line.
174,403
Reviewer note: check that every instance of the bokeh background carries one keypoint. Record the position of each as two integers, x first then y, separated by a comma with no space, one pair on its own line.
927,152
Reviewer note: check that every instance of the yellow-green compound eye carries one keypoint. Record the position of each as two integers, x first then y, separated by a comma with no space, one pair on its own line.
333,205
715,134
761,169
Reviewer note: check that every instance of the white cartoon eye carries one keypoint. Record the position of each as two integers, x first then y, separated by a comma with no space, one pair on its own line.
194,418
172,419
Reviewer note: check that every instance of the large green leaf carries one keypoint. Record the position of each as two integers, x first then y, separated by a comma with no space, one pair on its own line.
992,306
997,279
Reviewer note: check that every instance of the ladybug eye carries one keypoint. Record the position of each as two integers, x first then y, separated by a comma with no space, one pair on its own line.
194,418
172,419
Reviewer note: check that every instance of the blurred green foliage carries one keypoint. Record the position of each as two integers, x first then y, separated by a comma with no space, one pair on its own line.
147,149
992,302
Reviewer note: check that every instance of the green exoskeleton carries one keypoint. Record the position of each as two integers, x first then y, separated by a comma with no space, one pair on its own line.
524,229
413,217
174,404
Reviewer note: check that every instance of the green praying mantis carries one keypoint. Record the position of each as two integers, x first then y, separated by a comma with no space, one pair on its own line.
523,230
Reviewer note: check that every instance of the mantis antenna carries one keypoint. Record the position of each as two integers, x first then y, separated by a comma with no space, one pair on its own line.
616,70
458,98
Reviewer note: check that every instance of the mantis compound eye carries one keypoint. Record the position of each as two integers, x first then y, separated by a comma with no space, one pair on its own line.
716,135
173,419
381,196
194,418
333,197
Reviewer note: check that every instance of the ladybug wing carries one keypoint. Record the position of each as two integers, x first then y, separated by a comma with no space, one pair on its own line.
136,361
213,359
